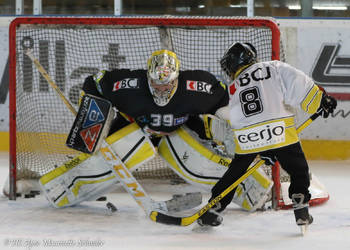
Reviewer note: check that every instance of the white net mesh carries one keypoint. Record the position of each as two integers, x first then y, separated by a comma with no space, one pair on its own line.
71,49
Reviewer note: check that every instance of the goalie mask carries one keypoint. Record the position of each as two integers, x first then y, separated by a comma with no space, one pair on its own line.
163,70
237,57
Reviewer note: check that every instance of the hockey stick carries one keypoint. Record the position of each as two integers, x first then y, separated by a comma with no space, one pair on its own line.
160,217
129,182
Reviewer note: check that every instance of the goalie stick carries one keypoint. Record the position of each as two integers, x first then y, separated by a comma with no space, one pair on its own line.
129,182
163,218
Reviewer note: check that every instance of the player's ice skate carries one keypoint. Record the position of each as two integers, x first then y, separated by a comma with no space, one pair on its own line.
210,218
301,212
207,221
303,219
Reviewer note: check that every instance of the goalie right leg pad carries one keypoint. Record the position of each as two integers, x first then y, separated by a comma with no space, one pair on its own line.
254,191
200,166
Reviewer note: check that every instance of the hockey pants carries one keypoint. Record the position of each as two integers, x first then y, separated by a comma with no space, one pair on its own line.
291,159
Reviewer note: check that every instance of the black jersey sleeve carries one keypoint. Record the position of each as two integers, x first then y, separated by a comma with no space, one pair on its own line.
218,98
223,100
118,123
195,123
220,93
210,99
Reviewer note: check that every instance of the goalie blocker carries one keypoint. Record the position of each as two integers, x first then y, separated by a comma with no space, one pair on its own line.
91,124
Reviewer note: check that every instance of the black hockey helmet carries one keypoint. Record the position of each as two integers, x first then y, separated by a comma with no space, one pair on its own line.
237,56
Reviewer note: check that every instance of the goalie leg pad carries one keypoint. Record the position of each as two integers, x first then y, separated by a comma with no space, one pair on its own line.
254,191
72,183
201,167
87,177
192,161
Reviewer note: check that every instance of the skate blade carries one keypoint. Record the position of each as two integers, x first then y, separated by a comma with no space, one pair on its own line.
303,229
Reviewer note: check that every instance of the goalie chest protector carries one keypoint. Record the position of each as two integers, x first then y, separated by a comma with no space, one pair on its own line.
91,124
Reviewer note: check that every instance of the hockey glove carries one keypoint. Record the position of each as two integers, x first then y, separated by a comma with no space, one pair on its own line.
328,104
269,158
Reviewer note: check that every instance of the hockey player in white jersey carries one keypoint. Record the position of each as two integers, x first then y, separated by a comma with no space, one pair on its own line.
262,123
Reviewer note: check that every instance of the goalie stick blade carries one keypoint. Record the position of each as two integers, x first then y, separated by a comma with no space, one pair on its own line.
184,202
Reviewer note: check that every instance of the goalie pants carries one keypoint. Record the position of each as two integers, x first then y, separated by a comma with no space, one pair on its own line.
291,159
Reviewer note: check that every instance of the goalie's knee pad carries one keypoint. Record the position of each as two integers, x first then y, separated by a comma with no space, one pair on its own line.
191,160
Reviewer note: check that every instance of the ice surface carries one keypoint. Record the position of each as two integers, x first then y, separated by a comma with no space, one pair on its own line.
33,224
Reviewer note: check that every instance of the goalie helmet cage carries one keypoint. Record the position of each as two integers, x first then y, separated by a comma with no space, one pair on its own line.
71,48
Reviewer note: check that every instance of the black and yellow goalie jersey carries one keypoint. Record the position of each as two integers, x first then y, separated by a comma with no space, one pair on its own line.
198,92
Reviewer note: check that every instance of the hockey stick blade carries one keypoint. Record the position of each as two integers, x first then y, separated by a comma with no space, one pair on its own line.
163,218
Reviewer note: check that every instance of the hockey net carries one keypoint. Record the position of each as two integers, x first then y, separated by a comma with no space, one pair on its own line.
70,49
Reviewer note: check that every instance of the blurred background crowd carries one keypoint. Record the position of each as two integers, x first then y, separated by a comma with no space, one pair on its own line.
274,8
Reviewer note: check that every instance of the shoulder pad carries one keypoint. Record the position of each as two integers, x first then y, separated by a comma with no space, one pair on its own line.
222,85
97,78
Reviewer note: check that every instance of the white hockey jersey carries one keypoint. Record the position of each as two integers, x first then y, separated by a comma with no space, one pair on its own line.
259,115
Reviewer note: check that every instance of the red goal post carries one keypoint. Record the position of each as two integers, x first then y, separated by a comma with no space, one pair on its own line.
71,48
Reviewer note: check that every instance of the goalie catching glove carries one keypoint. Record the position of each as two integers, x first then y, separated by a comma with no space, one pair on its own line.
220,132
